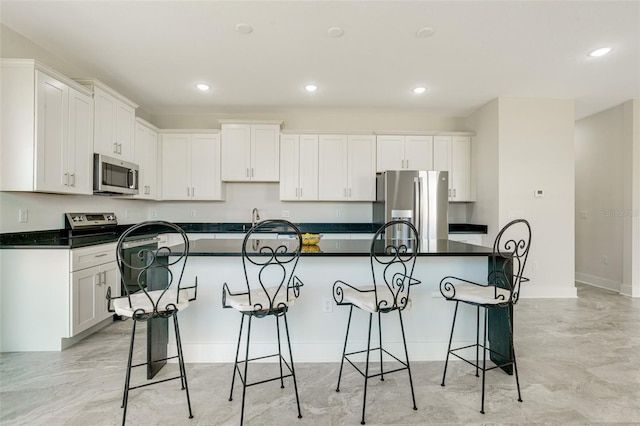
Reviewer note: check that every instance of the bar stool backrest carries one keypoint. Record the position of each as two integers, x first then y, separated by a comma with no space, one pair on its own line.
394,248
269,266
510,252
139,264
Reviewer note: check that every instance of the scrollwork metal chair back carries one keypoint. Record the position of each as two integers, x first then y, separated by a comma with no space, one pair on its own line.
269,267
510,252
144,263
392,263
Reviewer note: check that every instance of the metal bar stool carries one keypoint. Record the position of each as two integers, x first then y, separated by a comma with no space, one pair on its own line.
141,265
271,289
393,254
510,251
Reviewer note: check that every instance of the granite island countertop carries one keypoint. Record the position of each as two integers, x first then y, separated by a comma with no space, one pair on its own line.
329,247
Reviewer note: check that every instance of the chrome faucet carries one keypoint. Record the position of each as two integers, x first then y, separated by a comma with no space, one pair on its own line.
255,216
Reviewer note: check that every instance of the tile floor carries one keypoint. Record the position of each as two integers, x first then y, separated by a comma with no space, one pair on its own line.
579,363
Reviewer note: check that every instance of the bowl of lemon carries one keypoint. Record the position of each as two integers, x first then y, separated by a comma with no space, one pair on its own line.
310,239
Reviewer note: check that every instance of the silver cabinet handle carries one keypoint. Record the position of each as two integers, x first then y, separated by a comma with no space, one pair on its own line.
301,192
100,255
296,192
119,148
349,192
247,172
104,277
193,191
73,179
115,147
66,179
345,193
454,193
187,191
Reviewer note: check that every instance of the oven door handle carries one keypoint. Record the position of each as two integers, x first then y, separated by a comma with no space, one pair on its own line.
139,243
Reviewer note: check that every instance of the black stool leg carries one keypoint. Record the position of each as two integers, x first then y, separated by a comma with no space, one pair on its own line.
366,370
446,362
279,351
246,365
293,370
127,379
406,354
344,351
235,364
183,370
513,357
477,340
484,359
380,340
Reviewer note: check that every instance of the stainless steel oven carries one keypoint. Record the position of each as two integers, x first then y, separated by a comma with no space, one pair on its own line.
137,252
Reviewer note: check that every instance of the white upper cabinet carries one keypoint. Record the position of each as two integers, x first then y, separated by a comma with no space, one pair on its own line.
250,152
453,153
146,157
191,166
298,167
47,133
114,122
346,167
404,152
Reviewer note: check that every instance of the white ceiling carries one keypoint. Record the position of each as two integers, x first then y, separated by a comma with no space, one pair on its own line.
155,51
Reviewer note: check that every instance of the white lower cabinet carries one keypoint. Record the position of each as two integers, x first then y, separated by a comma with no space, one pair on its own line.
93,272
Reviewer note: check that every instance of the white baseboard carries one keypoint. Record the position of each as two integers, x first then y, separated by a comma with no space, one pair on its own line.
600,282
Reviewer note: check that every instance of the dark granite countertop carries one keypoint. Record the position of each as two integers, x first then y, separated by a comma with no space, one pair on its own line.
329,247
59,238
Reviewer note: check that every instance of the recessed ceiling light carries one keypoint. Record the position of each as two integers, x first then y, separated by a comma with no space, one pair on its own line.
335,32
310,87
424,32
419,90
600,52
202,86
243,28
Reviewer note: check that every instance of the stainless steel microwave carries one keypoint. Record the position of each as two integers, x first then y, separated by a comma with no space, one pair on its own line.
112,176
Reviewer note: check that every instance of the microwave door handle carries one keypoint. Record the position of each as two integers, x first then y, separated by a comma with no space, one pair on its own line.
134,180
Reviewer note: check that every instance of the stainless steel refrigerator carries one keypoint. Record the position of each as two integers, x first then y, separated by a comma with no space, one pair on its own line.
421,197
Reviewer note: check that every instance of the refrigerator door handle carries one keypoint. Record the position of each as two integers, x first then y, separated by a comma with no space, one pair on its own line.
417,204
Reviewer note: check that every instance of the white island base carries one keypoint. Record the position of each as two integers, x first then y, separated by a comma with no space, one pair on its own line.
317,325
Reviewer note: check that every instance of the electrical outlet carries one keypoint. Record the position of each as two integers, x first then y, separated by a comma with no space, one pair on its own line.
153,214
605,260
285,213
23,215
338,213
194,213
584,214
327,305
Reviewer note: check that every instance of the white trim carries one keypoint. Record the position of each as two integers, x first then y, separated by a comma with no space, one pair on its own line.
532,291
627,290
594,281
93,82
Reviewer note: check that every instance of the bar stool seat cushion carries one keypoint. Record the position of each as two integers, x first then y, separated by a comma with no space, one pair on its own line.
481,294
259,300
364,297
140,301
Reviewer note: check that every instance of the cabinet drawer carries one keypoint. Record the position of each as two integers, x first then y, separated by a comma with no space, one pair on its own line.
87,257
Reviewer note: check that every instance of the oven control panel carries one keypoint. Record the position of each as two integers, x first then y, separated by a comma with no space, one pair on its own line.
88,220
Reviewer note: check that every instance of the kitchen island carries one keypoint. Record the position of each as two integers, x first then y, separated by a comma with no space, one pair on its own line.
317,325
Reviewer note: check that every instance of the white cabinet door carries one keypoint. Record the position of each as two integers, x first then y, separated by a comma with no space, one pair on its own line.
80,148
361,168
299,167
191,167
404,153
205,167
51,134
346,167
114,126
146,157
308,168
250,152
85,290
332,167
236,152
265,153
453,153
289,167
418,152
461,168
176,160
390,153
110,280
